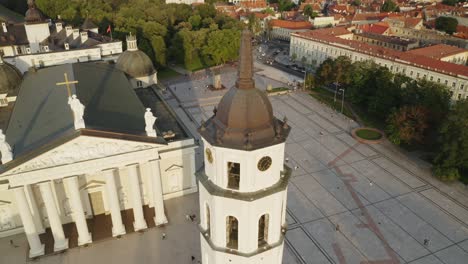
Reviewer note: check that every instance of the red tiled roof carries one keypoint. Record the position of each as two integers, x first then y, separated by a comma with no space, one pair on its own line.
291,24
256,4
389,54
377,28
334,31
438,51
373,16
412,22
260,15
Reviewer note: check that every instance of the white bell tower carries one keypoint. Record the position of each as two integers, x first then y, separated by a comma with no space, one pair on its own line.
243,185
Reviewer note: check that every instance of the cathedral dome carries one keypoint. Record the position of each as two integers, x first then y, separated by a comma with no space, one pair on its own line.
10,79
135,62
33,14
244,117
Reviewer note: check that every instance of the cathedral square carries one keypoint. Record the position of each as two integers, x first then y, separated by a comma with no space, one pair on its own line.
102,161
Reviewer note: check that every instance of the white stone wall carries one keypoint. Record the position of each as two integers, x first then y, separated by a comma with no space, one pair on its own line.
93,180
316,52
251,179
36,33
24,62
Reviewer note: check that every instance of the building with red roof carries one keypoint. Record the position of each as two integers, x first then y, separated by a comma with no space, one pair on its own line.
443,52
317,45
282,29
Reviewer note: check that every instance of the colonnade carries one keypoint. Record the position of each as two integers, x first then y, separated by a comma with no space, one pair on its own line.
32,229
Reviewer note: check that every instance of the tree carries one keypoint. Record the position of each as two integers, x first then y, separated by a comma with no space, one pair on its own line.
447,24
356,3
308,11
195,21
388,6
159,47
254,24
449,2
309,82
407,125
452,159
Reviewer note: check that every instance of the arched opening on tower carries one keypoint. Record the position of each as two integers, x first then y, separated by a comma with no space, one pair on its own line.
207,212
232,232
233,175
263,230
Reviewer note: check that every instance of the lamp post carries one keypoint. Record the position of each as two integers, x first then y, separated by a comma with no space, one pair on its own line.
336,90
342,99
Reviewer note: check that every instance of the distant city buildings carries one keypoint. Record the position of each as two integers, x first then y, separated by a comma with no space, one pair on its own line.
315,46
187,2
38,42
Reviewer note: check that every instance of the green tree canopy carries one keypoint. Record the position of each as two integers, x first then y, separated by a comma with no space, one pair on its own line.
452,160
447,24
389,6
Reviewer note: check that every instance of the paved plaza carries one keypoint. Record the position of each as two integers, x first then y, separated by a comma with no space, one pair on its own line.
348,203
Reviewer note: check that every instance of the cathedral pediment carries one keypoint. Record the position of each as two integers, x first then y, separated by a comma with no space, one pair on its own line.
80,149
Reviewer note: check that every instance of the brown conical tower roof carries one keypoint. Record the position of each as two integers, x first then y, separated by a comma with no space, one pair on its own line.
244,117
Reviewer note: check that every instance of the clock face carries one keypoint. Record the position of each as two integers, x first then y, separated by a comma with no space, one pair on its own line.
264,163
209,155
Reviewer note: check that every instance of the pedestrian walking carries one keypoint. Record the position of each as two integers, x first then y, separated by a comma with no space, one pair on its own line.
163,236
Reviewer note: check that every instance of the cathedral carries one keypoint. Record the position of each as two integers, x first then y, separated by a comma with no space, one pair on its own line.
87,141
94,142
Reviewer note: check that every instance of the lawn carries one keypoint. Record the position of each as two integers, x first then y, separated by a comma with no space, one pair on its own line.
326,97
278,89
368,134
167,73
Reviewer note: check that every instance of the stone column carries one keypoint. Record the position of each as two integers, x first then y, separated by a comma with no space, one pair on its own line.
36,248
60,242
117,225
34,210
160,215
84,237
134,181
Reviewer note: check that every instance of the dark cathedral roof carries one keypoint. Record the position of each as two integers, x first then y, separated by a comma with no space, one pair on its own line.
33,14
42,115
244,117
10,79
135,63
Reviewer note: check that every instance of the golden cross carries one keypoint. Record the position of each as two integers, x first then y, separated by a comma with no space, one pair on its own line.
67,83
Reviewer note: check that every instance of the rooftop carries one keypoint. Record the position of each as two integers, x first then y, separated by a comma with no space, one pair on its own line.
388,39
291,24
438,51
389,54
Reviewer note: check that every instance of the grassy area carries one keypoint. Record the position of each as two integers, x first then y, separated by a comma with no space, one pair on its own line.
327,98
167,73
368,134
278,89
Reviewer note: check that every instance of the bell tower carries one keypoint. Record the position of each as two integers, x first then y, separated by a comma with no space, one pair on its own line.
243,184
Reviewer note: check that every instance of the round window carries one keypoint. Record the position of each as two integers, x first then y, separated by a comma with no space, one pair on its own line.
264,163
209,155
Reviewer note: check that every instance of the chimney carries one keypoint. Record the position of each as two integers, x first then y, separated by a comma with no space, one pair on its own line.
68,30
5,30
76,33
58,27
84,36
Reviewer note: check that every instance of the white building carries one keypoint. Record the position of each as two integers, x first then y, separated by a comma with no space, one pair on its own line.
39,43
318,45
68,159
243,185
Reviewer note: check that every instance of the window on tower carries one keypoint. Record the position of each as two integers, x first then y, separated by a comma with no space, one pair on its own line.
263,230
232,232
233,175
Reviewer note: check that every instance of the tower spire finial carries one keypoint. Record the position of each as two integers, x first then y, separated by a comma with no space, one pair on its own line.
245,74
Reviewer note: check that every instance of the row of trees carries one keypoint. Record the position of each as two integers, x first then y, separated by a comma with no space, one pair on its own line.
164,31
416,113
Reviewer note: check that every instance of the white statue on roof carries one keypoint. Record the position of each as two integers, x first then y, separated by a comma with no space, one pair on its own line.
78,111
5,149
150,119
